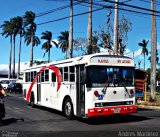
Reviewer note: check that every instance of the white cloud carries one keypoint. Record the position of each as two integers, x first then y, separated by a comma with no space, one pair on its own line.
55,41
4,68
137,52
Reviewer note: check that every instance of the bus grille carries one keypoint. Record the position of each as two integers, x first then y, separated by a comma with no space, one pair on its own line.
103,104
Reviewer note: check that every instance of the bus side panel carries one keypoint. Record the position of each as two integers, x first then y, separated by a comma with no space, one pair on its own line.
66,90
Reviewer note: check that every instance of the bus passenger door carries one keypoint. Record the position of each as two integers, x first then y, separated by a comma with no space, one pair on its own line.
80,90
39,89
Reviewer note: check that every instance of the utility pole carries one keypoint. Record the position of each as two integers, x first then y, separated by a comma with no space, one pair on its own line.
116,27
89,37
153,50
71,31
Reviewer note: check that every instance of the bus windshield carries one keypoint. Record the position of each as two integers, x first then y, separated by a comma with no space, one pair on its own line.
99,76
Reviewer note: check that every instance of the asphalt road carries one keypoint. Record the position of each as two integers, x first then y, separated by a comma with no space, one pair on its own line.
23,121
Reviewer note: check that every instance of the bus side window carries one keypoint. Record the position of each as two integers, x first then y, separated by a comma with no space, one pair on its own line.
65,74
46,75
72,73
42,76
26,77
32,76
35,73
53,77
29,76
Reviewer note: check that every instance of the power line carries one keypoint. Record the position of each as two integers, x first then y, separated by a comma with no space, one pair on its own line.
131,6
83,13
124,9
54,10
103,7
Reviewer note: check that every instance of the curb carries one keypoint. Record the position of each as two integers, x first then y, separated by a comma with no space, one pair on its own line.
148,107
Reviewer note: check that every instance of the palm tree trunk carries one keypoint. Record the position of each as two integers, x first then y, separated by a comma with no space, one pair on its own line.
14,48
144,61
19,57
10,57
71,30
89,41
49,55
31,52
153,51
116,28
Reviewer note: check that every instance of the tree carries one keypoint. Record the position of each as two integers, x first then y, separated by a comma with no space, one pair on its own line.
95,45
106,35
139,64
143,44
80,45
64,41
89,39
19,29
47,45
29,38
15,32
153,50
157,58
7,30
29,18
70,46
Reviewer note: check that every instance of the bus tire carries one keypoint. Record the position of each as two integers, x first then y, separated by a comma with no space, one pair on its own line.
68,109
32,100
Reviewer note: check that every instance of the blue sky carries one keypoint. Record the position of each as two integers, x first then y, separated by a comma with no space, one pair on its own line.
141,26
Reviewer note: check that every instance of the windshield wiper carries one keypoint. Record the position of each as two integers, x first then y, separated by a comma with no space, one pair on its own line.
105,87
125,89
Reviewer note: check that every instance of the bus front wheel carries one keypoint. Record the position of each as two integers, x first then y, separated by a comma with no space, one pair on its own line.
68,109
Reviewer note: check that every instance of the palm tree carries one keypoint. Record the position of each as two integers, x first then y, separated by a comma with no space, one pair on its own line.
47,45
71,31
7,30
18,24
157,58
139,64
90,48
143,44
29,18
29,38
15,32
64,41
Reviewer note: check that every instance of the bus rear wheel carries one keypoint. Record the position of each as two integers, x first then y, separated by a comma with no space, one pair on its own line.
68,109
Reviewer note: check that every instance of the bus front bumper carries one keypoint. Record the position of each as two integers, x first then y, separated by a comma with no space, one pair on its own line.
95,112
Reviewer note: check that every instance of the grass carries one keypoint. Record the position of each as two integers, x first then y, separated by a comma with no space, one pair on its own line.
157,95
155,103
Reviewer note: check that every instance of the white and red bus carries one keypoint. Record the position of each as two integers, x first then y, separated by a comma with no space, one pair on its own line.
87,86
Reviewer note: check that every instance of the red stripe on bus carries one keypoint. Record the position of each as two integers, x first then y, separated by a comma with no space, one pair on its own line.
53,68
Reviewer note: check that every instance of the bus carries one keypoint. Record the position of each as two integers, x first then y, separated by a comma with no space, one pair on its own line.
140,80
87,86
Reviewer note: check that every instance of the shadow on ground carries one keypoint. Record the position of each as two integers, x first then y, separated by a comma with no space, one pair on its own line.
114,119
9,121
145,109
104,120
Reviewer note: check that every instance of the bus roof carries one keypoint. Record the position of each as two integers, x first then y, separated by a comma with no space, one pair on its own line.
92,59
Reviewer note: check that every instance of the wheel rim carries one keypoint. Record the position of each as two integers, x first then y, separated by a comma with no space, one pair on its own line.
68,108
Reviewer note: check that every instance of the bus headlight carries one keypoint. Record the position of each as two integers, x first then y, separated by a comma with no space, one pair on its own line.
129,103
98,104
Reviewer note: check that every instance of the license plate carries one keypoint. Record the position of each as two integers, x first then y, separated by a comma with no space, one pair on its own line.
116,110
